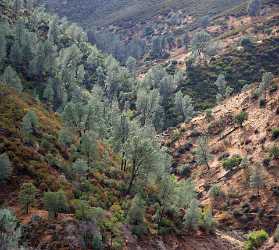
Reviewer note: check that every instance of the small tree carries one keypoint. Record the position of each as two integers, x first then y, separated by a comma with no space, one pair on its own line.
80,167
10,231
192,216
66,137
223,89
88,147
202,153
241,118
207,221
276,234
200,42
256,179
254,7
265,83
55,202
5,167
27,196
136,211
48,94
131,65
30,123
11,78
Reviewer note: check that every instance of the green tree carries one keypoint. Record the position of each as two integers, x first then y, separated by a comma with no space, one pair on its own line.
265,83
254,7
186,193
257,179
11,78
10,230
55,202
5,167
224,90
192,216
202,152
241,118
48,93
131,65
30,123
80,167
184,106
27,195
66,137
199,43
137,211
88,147
3,48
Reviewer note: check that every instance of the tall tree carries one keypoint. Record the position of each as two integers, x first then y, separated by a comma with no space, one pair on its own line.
184,106
191,218
199,43
27,195
254,7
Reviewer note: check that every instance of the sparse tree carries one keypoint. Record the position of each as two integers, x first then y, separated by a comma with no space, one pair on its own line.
131,65
66,137
256,179
202,153
11,78
5,167
55,202
3,48
136,211
48,94
200,42
265,83
27,196
88,147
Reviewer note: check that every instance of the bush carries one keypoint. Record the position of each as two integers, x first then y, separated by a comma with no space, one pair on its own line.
184,171
232,162
255,239
208,114
27,195
275,133
215,191
139,230
207,222
262,102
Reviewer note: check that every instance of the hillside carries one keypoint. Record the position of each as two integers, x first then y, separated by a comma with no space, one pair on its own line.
236,205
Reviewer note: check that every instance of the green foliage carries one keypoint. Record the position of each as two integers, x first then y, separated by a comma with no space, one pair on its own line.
27,195
136,211
215,191
275,133
65,137
55,202
5,167
207,222
254,7
223,90
11,78
241,118
274,152
30,123
10,230
184,106
80,167
202,152
192,216
256,179
208,114
88,147
255,239
232,162
200,41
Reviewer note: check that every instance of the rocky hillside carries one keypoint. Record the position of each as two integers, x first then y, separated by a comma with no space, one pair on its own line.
236,154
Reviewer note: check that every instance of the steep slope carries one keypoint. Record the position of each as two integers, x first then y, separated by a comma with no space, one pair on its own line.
237,206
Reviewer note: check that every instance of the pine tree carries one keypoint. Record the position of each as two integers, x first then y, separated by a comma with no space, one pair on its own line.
136,211
131,65
88,147
48,93
80,167
5,167
11,78
257,179
265,83
254,7
10,230
55,202
66,137
192,216
202,153
27,196
184,106
223,89
199,42
30,123
3,49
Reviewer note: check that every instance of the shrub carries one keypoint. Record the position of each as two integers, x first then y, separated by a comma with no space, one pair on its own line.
184,171
207,222
208,114
215,191
255,239
241,118
275,133
262,102
232,162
